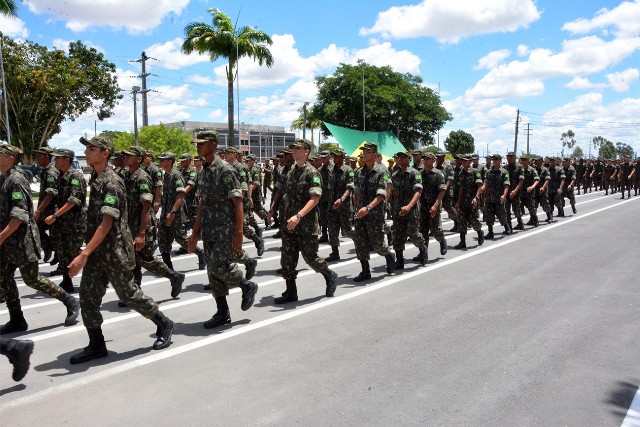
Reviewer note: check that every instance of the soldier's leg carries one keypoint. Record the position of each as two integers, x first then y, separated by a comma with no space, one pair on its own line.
413,232
517,208
165,239
45,240
145,259
130,293
290,256
38,282
223,274
334,224
376,234
399,234
8,285
345,217
435,226
361,240
309,249
93,286
179,231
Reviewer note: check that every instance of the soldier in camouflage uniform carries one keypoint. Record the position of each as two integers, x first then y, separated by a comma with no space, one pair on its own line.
190,178
371,191
405,195
496,188
325,171
242,173
570,176
173,217
20,244
109,256
117,161
475,163
608,172
417,164
302,194
255,191
556,186
339,206
580,171
138,185
275,176
48,178
597,174
469,191
626,177
267,176
516,178
542,193
156,183
433,191
447,171
588,171
68,222
529,189
280,187
219,223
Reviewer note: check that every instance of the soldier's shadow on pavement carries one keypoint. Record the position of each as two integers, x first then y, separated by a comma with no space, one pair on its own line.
621,396
12,389
62,361
197,330
267,301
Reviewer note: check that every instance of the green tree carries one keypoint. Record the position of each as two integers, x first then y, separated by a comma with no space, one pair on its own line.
223,40
597,142
624,149
578,153
156,138
394,102
607,150
46,87
568,140
8,7
312,124
460,142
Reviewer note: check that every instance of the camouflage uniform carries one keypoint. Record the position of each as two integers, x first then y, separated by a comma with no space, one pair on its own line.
48,180
557,175
625,184
607,172
432,184
587,177
404,186
516,173
469,182
242,174
529,199
495,181
113,261
369,231
447,201
580,171
325,172
172,185
570,175
190,177
281,185
597,175
256,196
267,179
340,179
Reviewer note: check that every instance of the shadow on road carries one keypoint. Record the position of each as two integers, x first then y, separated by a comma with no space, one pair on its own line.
621,396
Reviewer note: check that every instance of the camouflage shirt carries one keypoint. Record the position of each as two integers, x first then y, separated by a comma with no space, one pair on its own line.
242,173
190,177
155,173
324,171
530,177
172,185
626,168
23,246
217,186
256,177
340,179
570,174
432,184
138,185
543,175
108,197
371,183
72,188
404,186
495,180
516,173
447,171
303,182
557,175
468,182
48,181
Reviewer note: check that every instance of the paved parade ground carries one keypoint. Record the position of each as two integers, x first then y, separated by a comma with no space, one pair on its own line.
539,328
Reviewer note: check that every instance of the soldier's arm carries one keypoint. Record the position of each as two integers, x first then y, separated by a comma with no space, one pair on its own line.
236,242
96,240
519,186
19,211
63,210
14,224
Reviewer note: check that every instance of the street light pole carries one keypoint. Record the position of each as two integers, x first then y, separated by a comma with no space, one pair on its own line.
304,124
4,94
135,90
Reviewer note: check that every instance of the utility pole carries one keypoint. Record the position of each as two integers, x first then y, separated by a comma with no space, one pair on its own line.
4,94
304,124
515,142
134,91
144,90
528,134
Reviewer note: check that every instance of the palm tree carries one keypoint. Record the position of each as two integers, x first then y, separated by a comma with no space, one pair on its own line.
222,39
8,7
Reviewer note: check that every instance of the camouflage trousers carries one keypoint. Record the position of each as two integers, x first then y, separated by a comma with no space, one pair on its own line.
369,235
447,205
625,185
606,183
168,233
30,277
322,213
222,272
515,206
258,207
468,216
406,228
587,183
45,239
571,196
433,225
555,199
339,220
579,183
248,229
192,213
294,244
493,210
529,201
542,199
103,267
67,238
146,260
243,258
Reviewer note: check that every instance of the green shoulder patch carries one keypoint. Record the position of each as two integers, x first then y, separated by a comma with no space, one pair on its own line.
192,174
179,183
75,181
110,199
227,179
51,179
144,186
351,173
418,177
16,195
316,180
386,177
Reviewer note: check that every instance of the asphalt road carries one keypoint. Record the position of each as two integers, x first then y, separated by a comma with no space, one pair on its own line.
536,329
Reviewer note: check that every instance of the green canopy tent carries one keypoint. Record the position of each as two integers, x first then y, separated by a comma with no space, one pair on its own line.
351,140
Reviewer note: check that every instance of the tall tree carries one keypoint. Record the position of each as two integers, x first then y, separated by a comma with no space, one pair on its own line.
221,39
460,142
8,7
624,149
46,87
597,142
578,153
568,140
311,124
156,138
394,102
607,150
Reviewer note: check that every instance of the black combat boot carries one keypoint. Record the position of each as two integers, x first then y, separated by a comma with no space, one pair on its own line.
166,258
443,247
462,244
249,290
399,260
250,268
96,348
520,225
164,331
67,283
480,237
258,231
573,208
536,221
423,255
16,322
391,262
73,308
390,238
277,235
259,244
276,223
330,279
54,261
549,217
365,274
18,352
334,255
176,280
180,251
222,316
202,263
48,253
290,294
507,229
490,234
324,238
561,212
455,226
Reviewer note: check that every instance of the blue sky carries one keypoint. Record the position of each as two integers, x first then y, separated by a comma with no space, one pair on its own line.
565,65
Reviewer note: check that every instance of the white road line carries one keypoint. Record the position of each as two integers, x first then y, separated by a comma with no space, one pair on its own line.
632,419
299,311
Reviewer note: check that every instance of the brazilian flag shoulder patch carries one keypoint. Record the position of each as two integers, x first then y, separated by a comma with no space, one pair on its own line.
192,174
75,181
16,195
51,179
179,183
351,173
227,179
316,180
110,199
386,177
144,186
418,177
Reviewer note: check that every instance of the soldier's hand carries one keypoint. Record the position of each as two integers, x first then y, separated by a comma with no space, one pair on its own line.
138,242
502,199
292,222
236,244
404,211
337,204
474,202
512,194
362,212
169,218
529,189
49,220
192,241
559,191
36,215
77,264
251,203
156,206
569,187
433,211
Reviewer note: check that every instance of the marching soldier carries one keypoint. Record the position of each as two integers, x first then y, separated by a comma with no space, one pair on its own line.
48,178
570,176
155,173
325,171
516,178
340,209
190,178
542,193
626,177
556,186
529,189
433,192
496,189
469,191
267,176
447,171
255,192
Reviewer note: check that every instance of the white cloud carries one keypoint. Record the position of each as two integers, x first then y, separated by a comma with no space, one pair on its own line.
64,45
135,16
523,50
620,82
581,83
201,80
449,21
13,27
492,59
171,57
625,18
